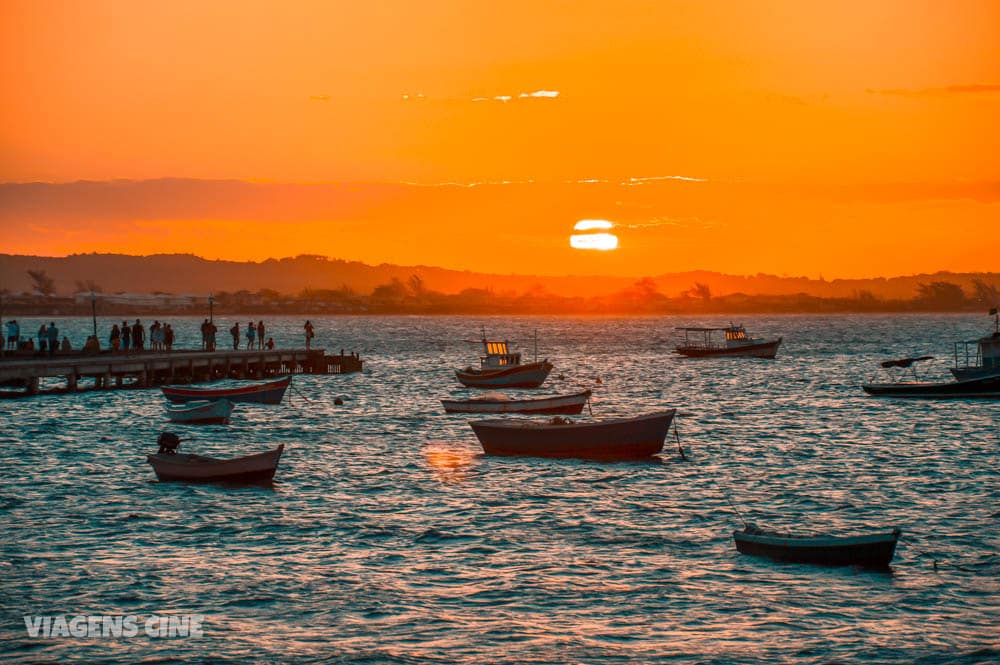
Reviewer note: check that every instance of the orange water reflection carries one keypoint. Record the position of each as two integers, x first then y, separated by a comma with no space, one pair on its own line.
450,462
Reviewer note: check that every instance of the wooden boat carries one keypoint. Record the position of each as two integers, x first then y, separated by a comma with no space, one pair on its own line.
621,438
500,368
868,550
199,413
561,404
983,387
257,468
736,343
260,393
979,358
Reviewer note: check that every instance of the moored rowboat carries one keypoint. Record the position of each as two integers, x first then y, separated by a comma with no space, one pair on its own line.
196,468
260,393
214,412
620,438
867,550
558,404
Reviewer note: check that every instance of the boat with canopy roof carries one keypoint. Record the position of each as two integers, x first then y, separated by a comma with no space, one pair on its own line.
703,343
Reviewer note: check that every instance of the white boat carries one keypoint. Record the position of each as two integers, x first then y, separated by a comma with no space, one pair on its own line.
213,412
495,403
171,465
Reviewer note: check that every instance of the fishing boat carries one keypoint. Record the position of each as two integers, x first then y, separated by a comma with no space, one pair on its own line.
201,413
735,343
493,403
501,368
987,386
979,357
873,550
260,393
171,465
620,438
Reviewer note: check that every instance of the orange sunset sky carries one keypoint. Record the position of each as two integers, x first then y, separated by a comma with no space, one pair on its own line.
847,139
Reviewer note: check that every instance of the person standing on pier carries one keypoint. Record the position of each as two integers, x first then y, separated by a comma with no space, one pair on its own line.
115,338
13,335
204,335
138,336
260,333
53,334
43,338
126,336
154,336
251,333
309,333
168,337
212,329
235,332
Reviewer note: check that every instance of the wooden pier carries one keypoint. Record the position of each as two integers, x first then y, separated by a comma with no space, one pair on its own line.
154,368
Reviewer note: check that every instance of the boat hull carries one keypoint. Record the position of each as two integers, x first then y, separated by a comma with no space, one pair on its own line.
213,413
197,469
529,375
624,438
869,551
560,404
271,392
987,387
768,349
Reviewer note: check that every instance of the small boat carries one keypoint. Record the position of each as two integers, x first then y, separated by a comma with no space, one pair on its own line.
499,368
260,393
873,550
621,438
987,387
561,404
736,343
979,357
171,465
201,413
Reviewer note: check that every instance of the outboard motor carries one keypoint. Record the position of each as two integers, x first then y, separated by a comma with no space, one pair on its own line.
168,443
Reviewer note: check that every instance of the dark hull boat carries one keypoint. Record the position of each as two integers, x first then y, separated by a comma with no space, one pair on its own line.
622,438
768,349
529,375
558,404
987,387
261,393
190,468
868,551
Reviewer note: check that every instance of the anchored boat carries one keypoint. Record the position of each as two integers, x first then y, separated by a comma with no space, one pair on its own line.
557,404
260,393
171,465
979,357
703,343
873,550
500,368
621,438
201,413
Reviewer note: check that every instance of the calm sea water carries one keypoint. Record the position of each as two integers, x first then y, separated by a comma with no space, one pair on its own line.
389,537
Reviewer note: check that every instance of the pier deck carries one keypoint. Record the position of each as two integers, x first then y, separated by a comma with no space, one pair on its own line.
154,368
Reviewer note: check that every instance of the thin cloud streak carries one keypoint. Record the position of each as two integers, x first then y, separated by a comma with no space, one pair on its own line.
964,89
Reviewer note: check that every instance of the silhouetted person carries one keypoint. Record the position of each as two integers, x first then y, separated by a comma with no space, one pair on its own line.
235,332
251,334
115,338
126,336
168,336
212,329
53,335
260,333
138,336
309,334
270,344
13,335
204,335
43,338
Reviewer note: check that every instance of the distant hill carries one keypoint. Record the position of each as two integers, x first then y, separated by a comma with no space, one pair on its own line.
185,273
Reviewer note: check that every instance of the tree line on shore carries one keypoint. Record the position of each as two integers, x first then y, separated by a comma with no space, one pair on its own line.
413,297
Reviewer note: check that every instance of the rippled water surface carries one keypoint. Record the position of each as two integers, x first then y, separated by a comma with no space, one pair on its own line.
389,537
